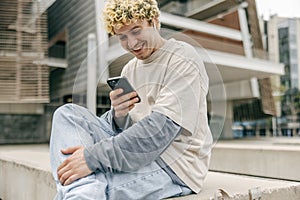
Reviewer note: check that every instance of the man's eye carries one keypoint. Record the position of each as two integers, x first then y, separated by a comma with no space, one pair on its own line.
136,32
122,37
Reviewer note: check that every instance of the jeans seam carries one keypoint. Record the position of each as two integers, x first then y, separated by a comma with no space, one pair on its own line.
159,171
101,125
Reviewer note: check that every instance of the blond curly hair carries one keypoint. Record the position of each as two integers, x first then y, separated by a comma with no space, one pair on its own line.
118,13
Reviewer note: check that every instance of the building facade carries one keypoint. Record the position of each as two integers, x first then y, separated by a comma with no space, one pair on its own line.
227,31
283,36
24,78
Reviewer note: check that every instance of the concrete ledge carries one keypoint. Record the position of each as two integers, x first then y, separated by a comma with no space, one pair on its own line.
25,174
238,186
266,157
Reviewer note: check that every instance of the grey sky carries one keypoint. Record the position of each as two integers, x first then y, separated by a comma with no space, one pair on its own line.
283,8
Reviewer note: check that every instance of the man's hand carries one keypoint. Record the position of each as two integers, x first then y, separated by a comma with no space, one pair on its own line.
74,167
122,104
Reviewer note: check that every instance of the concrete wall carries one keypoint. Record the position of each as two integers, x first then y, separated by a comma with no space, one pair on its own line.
22,128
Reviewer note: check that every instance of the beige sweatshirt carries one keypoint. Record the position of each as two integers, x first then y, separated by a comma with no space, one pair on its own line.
173,81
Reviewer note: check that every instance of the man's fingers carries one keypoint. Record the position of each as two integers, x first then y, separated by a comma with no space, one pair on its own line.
122,104
67,174
74,167
68,177
62,168
64,176
114,94
123,109
131,107
71,179
70,150
123,98
126,104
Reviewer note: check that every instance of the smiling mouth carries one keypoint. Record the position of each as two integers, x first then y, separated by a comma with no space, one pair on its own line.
138,49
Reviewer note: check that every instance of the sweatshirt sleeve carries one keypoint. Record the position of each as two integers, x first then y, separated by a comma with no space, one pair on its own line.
125,123
135,147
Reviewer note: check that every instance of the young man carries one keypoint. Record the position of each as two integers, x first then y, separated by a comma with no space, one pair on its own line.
154,149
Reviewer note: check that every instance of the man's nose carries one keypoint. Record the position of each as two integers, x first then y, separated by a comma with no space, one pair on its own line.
132,41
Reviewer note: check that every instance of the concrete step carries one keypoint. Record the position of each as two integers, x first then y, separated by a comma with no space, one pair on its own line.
25,175
266,157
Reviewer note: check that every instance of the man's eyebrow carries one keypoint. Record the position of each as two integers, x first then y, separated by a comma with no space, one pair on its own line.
137,26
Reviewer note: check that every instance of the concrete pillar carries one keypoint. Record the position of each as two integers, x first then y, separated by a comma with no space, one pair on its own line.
102,43
274,126
221,123
227,129
91,74
257,131
245,31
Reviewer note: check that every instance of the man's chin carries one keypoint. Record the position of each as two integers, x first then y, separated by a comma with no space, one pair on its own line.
139,56
142,56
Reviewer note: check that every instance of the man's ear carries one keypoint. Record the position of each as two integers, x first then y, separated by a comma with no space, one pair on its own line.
155,24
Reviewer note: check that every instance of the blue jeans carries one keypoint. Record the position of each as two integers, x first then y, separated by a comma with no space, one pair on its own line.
74,125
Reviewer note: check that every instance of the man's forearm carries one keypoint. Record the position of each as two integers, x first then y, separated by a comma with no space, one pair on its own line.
135,147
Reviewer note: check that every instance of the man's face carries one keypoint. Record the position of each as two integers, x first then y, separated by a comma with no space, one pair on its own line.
138,38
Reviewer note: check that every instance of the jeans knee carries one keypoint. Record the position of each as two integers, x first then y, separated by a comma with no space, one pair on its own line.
70,114
62,111
63,122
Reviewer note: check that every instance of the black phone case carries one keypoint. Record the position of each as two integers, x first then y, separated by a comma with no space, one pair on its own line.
121,82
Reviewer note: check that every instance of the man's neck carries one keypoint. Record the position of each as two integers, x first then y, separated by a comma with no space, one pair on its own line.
160,43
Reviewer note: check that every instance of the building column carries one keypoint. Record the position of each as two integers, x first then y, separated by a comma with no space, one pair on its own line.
220,122
91,74
245,31
227,129
102,43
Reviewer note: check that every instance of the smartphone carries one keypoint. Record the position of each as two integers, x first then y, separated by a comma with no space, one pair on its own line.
121,82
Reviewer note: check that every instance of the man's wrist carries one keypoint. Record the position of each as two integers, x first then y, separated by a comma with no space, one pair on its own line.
119,121
91,161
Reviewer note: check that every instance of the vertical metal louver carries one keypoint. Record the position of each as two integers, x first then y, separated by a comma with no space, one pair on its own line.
23,42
